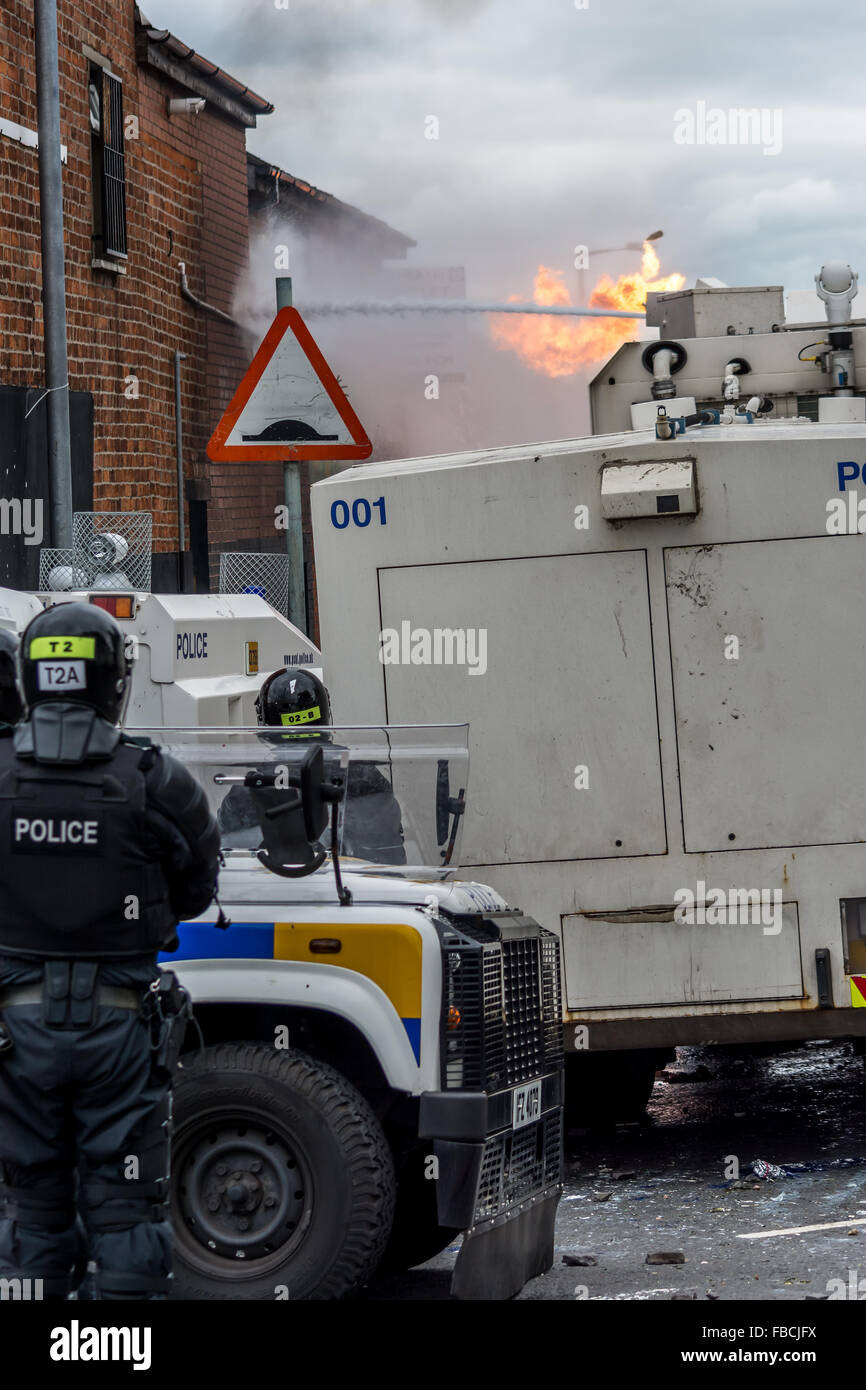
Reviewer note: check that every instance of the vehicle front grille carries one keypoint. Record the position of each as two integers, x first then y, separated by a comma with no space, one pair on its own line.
502,1019
519,1164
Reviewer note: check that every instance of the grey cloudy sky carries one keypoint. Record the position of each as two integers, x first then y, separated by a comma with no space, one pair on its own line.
556,125
557,129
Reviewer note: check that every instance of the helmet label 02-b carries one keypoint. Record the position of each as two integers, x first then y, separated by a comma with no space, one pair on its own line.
302,716
61,675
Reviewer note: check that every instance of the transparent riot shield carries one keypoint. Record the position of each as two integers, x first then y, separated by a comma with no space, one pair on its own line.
399,793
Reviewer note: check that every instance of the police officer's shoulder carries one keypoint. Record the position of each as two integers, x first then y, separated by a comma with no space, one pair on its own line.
172,789
143,742
165,775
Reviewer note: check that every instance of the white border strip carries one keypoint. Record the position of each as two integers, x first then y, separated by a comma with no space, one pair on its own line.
25,136
801,1230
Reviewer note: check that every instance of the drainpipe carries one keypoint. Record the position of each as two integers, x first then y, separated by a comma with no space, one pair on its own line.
178,435
200,303
53,273
292,499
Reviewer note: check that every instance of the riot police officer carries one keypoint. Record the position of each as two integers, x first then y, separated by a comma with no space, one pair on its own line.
104,846
295,702
10,699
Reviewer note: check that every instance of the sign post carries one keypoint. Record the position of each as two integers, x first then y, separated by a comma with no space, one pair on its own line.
292,502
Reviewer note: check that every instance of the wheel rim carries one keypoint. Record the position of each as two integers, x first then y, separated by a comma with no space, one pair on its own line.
243,1193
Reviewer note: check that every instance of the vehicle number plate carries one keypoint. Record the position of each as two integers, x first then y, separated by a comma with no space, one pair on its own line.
526,1104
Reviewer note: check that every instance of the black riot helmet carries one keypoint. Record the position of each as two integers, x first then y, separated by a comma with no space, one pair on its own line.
293,699
10,701
75,652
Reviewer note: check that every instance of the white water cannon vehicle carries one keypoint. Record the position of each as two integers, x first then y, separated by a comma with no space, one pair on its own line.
657,636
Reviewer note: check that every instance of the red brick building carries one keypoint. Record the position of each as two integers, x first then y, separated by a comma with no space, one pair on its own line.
157,215
145,190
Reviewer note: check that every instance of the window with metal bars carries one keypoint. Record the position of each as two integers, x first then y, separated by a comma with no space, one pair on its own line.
109,178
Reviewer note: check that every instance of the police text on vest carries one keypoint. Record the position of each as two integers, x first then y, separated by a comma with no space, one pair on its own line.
55,832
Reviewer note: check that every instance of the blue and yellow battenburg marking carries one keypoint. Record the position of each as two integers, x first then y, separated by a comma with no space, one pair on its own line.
388,953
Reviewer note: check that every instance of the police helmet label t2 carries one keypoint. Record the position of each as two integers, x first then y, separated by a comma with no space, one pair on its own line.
75,651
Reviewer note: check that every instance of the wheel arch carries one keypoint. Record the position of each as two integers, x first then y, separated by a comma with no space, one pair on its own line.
319,1033
338,1015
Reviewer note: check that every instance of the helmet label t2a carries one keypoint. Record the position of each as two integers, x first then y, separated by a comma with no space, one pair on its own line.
60,675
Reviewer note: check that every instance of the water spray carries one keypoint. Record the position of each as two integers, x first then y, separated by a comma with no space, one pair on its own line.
463,306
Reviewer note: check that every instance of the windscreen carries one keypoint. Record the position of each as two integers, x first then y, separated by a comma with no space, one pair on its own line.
400,792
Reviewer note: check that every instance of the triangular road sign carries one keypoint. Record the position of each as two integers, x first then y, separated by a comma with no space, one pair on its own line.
289,405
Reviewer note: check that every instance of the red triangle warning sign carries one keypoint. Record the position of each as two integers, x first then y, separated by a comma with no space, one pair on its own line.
289,405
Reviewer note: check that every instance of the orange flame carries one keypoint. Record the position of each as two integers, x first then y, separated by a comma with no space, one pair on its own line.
559,346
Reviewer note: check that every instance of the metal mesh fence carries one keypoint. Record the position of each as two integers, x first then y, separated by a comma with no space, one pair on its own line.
116,547
110,550
247,572
58,570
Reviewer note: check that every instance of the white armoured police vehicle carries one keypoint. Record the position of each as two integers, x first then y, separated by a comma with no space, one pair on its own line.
658,637
379,1064
197,658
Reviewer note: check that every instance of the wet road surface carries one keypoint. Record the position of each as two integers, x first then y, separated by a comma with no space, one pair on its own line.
670,1185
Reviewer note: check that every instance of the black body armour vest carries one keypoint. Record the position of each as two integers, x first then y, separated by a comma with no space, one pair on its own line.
78,876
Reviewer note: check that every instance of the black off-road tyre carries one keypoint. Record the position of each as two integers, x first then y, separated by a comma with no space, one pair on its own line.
282,1180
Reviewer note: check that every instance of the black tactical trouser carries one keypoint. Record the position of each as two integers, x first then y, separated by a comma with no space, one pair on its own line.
84,1134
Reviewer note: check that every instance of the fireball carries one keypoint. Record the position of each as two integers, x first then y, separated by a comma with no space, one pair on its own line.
559,346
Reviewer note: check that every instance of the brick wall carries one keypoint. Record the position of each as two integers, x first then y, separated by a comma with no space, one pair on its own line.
186,189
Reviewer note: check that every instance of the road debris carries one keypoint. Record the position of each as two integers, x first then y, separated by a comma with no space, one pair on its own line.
764,1170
